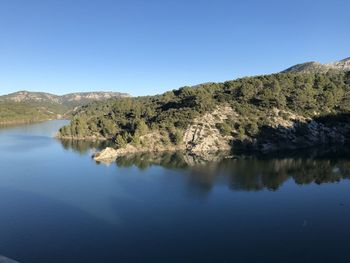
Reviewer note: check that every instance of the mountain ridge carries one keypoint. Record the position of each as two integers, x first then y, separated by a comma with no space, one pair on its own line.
317,67
24,95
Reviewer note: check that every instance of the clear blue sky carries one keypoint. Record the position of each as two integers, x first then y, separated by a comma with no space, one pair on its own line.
150,46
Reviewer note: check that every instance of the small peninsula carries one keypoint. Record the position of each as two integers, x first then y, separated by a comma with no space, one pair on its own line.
296,108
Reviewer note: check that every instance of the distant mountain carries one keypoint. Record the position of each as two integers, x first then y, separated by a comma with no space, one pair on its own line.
25,106
317,67
86,97
76,98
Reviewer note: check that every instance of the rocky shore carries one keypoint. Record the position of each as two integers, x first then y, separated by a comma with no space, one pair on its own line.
203,138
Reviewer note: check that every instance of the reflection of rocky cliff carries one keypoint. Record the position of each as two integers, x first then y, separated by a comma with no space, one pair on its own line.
169,159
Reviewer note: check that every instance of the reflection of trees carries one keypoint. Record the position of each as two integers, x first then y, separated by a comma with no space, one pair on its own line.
319,172
254,174
83,147
201,178
242,172
247,173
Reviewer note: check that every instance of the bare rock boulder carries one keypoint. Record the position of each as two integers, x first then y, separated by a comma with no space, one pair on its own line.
108,154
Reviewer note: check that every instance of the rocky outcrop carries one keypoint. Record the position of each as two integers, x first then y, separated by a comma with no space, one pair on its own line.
297,132
106,155
91,96
201,139
316,67
110,154
203,136
343,65
151,142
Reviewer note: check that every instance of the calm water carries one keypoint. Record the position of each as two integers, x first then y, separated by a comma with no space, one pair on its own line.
58,205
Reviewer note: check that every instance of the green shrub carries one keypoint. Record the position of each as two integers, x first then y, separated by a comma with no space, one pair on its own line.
224,128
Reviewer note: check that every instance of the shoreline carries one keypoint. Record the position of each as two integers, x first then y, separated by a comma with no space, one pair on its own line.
19,122
88,139
4,123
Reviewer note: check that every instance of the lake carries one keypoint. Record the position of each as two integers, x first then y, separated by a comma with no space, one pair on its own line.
58,205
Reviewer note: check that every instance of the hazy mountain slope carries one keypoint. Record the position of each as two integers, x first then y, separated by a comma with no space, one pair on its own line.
316,67
24,106
78,98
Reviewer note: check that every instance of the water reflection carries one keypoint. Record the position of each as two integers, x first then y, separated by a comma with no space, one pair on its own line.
246,172
258,174
145,160
84,147
54,198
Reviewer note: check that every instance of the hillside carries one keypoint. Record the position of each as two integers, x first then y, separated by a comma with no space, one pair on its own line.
279,111
24,106
316,67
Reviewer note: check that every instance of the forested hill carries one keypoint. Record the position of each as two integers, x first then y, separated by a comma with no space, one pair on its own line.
213,115
24,106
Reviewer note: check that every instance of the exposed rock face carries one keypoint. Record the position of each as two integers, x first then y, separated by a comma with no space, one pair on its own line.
342,64
203,136
91,96
25,96
106,155
154,145
299,132
316,67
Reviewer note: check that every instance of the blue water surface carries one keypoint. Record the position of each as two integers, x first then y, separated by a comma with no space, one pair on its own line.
58,205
